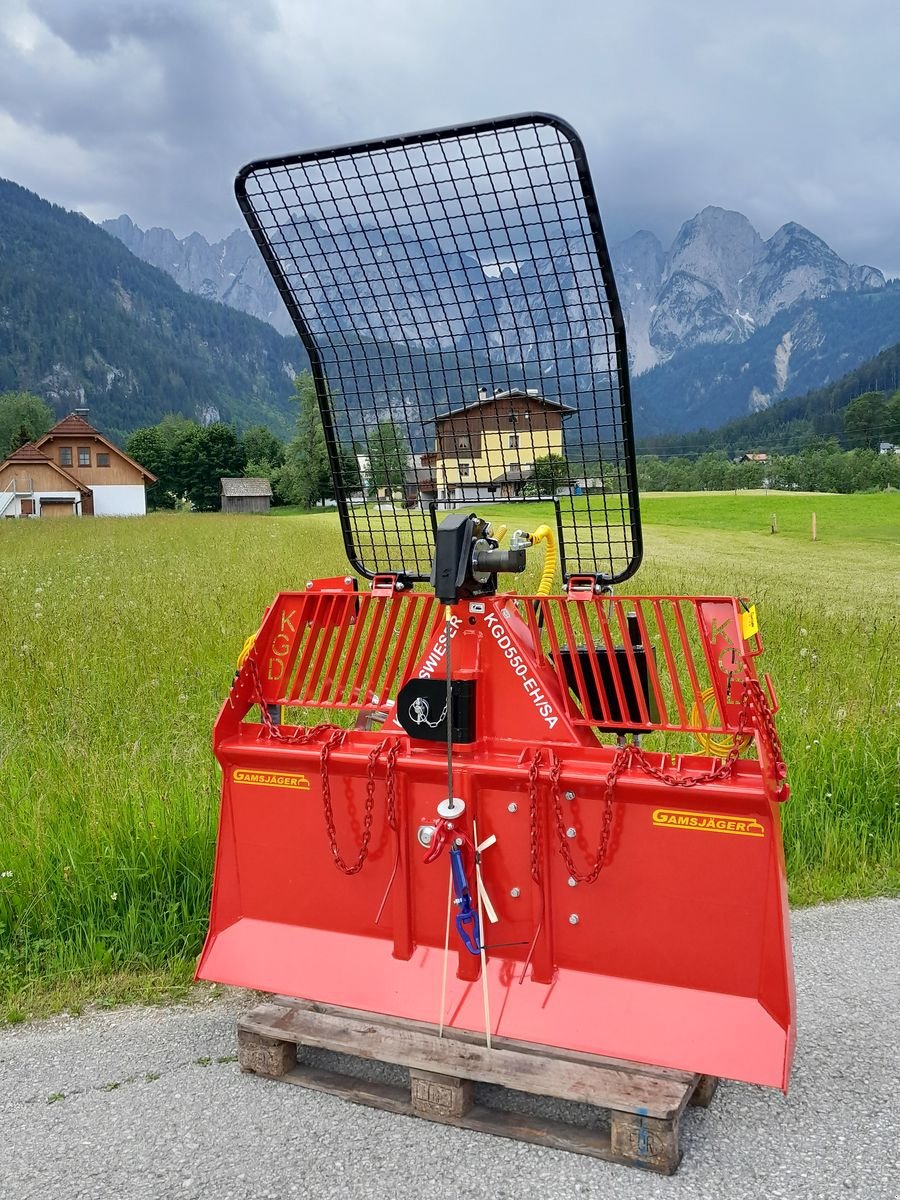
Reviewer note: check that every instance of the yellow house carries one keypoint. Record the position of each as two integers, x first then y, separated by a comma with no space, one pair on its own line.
487,449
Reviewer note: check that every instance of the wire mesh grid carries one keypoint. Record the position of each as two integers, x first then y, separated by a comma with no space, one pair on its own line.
454,293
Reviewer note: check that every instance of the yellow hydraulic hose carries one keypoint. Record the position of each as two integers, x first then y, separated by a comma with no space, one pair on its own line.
718,747
248,645
245,650
544,533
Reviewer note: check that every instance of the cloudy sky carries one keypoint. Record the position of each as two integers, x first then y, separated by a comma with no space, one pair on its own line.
785,111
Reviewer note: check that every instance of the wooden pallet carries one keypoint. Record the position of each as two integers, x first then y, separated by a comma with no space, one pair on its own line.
644,1104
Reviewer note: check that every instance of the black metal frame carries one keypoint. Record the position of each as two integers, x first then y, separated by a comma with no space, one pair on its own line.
625,452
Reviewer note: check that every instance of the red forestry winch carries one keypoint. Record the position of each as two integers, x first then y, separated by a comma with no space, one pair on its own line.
463,805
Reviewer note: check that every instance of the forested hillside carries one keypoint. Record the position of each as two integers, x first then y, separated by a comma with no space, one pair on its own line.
806,346
83,321
792,424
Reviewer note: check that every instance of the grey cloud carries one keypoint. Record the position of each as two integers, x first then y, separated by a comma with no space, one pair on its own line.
785,112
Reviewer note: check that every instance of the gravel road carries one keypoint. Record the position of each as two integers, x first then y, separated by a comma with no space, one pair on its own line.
143,1102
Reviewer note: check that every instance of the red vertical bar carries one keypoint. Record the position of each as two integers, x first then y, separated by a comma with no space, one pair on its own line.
326,697
310,638
575,659
371,687
408,655
689,660
636,684
612,657
327,633
670,663
651,664
361,623
363,671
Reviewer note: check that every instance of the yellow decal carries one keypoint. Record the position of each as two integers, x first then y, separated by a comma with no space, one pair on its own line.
677,818
749,623
281,779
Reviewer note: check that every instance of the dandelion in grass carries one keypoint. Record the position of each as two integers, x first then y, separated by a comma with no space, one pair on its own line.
6,874
113,895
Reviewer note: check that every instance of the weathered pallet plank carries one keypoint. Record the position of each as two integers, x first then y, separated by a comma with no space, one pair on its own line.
644,1104
535,1070
465,1035
393,1098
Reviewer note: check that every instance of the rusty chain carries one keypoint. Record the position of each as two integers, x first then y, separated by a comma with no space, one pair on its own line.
753,705
533,817
589,876
301,735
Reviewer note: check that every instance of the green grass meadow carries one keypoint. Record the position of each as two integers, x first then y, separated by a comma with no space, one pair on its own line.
117,646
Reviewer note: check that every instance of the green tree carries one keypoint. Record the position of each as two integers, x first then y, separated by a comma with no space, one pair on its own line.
350,475
892,420
21,413
865,419
712,472
148,447
305,478
261,445
547,475
388,456
219,453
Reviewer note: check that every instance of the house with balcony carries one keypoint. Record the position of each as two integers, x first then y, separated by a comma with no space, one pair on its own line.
73,470
32,485
486,450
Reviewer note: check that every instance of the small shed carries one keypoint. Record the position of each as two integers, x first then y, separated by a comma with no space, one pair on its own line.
245,495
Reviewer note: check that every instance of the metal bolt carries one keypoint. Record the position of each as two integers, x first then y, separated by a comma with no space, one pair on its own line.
573,882
570,795
308,584
512,807
515,893
574,919
571,831
348,579
425,835
398,586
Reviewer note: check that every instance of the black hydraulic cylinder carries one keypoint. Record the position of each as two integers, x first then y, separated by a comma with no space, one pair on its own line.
494,561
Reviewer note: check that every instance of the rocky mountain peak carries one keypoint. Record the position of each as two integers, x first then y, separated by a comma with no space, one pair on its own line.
718,246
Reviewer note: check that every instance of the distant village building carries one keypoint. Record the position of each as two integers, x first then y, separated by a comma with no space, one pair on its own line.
486,450
72,471
754,458
888,448
250,495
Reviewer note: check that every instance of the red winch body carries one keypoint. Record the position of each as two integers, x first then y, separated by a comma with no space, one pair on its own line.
640,894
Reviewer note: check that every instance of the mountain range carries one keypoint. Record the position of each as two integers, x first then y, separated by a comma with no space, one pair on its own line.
721,325
84,321
701,316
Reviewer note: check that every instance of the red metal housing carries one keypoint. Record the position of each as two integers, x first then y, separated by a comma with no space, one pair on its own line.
670,947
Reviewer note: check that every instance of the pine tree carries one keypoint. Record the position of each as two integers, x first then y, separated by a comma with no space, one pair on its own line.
388,456
307,456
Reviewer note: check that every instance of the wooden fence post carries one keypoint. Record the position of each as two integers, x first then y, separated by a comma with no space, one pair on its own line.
814,527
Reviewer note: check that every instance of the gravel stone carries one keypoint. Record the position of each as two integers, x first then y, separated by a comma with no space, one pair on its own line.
148,1102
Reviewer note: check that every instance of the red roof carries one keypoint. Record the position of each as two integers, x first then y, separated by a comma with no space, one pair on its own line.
72,425
75,426
29,453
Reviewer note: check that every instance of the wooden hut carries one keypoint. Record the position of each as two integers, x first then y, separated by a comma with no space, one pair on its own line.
245,495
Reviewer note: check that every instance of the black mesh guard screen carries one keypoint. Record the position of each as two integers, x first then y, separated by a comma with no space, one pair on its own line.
454,293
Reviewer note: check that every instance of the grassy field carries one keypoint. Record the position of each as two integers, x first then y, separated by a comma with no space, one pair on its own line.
117,645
